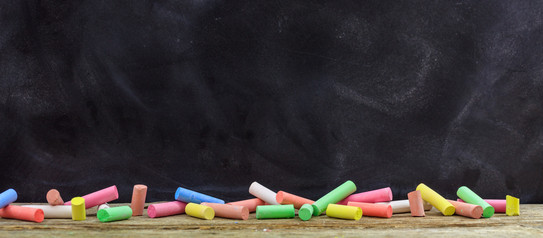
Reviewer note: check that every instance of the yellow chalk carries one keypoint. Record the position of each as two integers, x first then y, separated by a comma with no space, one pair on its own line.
344,212
512,206
436,200
78,209
200,211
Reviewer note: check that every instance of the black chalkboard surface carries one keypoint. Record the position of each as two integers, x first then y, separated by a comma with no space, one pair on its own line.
298,95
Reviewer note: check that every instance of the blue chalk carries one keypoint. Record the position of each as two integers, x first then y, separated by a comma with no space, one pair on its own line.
7,197
185,195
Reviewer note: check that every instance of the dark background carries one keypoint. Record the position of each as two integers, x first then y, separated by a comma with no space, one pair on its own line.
298,95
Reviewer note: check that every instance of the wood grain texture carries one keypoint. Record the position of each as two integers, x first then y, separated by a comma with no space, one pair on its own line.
530,223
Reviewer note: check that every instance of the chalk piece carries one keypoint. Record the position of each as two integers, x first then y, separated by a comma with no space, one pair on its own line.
22,213
343,212
138,199
402,206
54,212
99,197
7,197
373,209
166,209
78,209
275,211
53,198
283,198
513,206
114,214
436,200
250,204
189,196
306,212
467,210
263,193
229,211
200,211
333,196
415,203
499,205
378,195
470,197
103,206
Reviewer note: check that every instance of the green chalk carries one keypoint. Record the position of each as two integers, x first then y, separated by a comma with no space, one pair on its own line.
114,214
470,197
334,197
275,211
306,212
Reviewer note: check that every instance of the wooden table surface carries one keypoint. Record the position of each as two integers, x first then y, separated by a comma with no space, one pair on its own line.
528,224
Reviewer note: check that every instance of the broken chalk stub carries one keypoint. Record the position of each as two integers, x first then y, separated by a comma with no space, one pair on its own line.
416,204
513,206
263,193
53,198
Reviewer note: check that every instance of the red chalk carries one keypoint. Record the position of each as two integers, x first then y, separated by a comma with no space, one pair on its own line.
378,195
228,210
372,209
467,210
166,209
250,204
283,197
498,204
22,213
53,198
416,204
138,199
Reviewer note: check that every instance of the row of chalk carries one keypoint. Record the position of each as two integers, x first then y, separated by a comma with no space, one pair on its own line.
339,203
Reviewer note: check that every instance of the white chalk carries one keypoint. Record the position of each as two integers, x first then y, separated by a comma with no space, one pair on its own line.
402,206
59,211
263,193
103,206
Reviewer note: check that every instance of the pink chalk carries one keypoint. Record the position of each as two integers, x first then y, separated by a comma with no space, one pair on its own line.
498,204
379,195
166,209
99,197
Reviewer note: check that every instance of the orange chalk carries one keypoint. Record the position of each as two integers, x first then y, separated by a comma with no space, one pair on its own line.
467,210
228,210
416,204
283,197
22,213
373,209
138,199
53,198
250,204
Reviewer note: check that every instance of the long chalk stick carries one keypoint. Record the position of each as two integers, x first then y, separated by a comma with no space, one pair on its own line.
99,197
7,197
263,193
54,212
471,197
402,206
275,211
373,209
498,204
436,200
189,196
229,211
373,196
166,209
283,197
334,196
467,210
250,204
22,213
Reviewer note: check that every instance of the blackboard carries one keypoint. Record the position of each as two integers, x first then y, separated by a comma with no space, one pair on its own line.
298,95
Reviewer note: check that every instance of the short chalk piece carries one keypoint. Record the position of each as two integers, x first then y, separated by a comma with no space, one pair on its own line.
403,206
114,214
470,197
283,198
416,204
166,209
229,211
103,206
498,204
344,212
373,209
305,212
467,210
78,209
199,211
54,212
334,197
100,197
138,199
513,206
436,200
250,204
53,198
7,197
189,196
22,213
263,193
275,211
373,196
